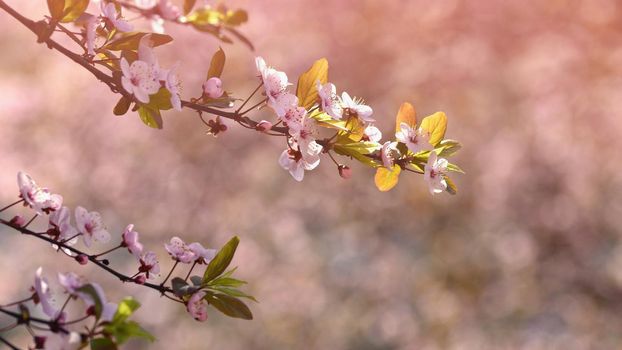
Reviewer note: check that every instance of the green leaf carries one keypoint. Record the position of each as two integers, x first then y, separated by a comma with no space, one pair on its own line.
448,148
234,293
217,64
451,186
454,168
130,329
151,117
345,151
386,179
182,288
227,282
103,344
89,290
161,100
122,106
306,90
325,120
56,8
130,41
73,10
221,261
230,306
196,280
188,5
125,309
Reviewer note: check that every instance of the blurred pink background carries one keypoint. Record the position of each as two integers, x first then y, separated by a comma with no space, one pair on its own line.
528,255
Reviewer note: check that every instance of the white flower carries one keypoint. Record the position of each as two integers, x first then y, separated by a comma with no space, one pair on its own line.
286,108
274,82
434,173
416,140
388,154
329,101
293,160
91,32
180,251
70,281
305,139
62,341
130,241
109,12
39,199
173,85
91,227
149,265
372,134
197,306
157,24
204,255
212,87
44,295
352,108
139,79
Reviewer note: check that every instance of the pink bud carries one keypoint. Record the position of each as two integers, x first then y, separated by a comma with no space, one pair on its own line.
263,126
82,259
39,342
140,279
18,221
345,171
213,87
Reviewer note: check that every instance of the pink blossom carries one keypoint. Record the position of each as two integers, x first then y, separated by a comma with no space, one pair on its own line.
173,85
212,88
62,341
416,140
91,32
264,126
44,295
180,251
197,306
39,199
305,139
204,256
139,79
168,10
149,264
130,241
91,227
353,108
109,12
60,220
296,163
145,4
275,82
329,101
70,281
434,173
108,308
372,134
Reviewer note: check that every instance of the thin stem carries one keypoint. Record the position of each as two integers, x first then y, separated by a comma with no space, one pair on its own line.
169,273
108,251
31,220
17,302
256,105
10,205
13,347
333,158
248,98
190,271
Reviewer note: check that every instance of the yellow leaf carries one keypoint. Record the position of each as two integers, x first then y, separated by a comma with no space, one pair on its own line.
307,83
451,186
386,179
217,64
73,9
435,125
56,8
406,114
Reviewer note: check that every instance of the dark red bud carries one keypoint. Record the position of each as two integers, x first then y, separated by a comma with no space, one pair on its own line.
82,259
345,171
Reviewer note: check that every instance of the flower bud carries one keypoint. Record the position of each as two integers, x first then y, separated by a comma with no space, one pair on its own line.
344,171
82,259
39,342
263,126
213,87
18,221
140,279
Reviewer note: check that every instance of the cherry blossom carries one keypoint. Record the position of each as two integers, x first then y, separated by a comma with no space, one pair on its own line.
305,139
149,264
168,10
293,161
44,295
416,140
275,82
108,308
172,84
264,125
139,79
203,255
60,222
91,32
434,173
40,199
212,87
352,108
109,12
329,101
372,134
197,306
388,154
70,281
145,4
180,251
130,241
287,109
91,227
